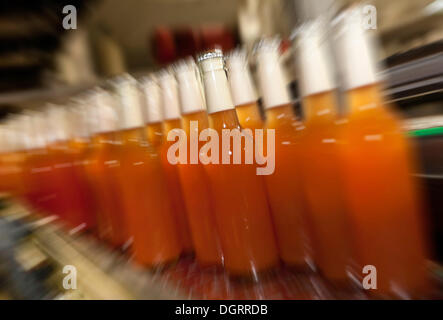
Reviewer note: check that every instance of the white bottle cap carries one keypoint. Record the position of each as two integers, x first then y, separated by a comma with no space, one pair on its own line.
59,130
169,95
21,127
153,104
26,128
357,56
102,115
40,130
3,140
271,79
242,88
129,98
218,95
10,136
78,121
191,96
313,59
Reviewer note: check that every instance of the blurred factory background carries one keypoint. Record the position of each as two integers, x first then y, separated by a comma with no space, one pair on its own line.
42,62
38,57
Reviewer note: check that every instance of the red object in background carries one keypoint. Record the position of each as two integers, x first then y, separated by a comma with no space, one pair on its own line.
187,41
169,45
163,44
217,37
284,45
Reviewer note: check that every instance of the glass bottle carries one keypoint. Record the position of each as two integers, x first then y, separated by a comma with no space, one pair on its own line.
194,180
241,207
145,197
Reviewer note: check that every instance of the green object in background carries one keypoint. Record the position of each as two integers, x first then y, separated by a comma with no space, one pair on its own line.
427,132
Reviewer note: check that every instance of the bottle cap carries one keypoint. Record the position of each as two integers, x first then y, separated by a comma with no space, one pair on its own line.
102,115
217,93
271,79
357,56
129,102
153,104
40,130
169,95
313,58
189,87
57,123
78,119
242,88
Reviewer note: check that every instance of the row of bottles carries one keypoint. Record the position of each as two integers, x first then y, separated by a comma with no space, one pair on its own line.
341,195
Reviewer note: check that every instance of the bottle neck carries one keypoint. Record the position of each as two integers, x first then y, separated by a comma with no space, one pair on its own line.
282,115
320,107
101,140
364,99
249,115
169,125
224,120
79,144
218,95
132,137
201,118
154,132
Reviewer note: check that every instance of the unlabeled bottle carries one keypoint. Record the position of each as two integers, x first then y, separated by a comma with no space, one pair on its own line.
104,167
284,186
80,149
41,190
385,208
194,181
145,197
171,121
70,189
243,91
322,164
13,156
241,206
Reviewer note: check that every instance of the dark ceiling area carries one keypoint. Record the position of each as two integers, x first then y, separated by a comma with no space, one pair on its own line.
30,34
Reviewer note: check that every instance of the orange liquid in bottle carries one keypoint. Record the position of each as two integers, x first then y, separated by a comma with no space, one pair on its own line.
103,172
285,188
80,149
71,194
148,213
154,133
249,116
11,172
241,210
175,189
385,208
197,197
324,189
39,178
